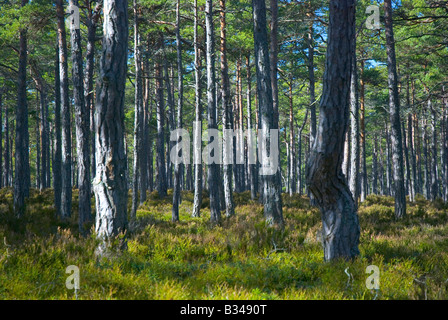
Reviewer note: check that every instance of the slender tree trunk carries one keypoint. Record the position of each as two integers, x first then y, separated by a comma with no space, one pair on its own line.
324,175
66,176
213,168
394,112
138,120
6,172
310,42
363,151
92,23
375,166
251,148
272,200
434,167
110,184
180,102
82,120
292,143
22,178
197,202
299,153
354,125
57,159
160,143
228,117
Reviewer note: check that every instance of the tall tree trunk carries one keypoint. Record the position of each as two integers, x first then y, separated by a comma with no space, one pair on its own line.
394,112
22,178
324,175
92,23
292,143
138,120
272,200
197,202
363,151
251,148
228,117
66,176
160,142
6,172
213,168
299,155
57,158
273,55
434,167
110,184
180,102
354,125
82,120
310,43
375,166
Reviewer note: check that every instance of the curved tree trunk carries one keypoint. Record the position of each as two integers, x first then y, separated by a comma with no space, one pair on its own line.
324,175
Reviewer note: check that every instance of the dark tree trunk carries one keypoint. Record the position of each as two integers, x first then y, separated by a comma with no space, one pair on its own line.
57,158
92,23
252,179
394,113
160,142
82,120
434,167
66,172
197,202
299,155
324,175
6,172
213,168
363,151
271,188
138,121
180,102
228,117
375,166
110,184
22,178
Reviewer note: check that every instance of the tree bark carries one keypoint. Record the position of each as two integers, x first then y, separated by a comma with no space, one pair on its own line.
66,168
354,125
213,168
272,200
394,113
22,176
324,175
110,184
180,102
82,120
227,112
138,121
197,202
57,158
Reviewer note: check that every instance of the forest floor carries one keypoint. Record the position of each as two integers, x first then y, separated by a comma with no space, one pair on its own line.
241,259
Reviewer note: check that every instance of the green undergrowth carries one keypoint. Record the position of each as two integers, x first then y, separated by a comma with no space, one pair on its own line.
242,258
